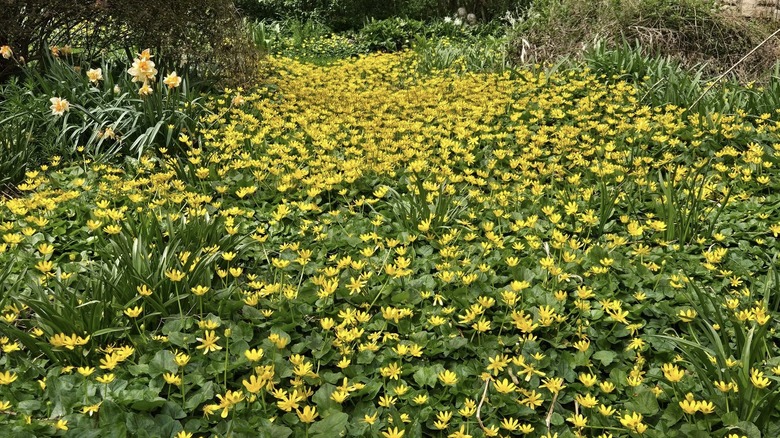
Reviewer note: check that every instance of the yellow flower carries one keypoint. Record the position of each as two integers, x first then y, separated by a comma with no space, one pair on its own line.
61,424
632,421
183,434
254,354
95,74
209,342
504,386
327,323
181,359
392,371
143,69
91,409
308,414
510,424
588,379
587,400
228,400
687,315
174,275
59,106
460,433
288,402
199,290
387,400
706,407
758,380
134,312
172,379
690,406
491,431
370,419
172,80
554,384
339,396
442,420
6,52
209,410
237,100
525,429
607,387
578,421
393,433
7,378
254,385
44,266
606,411
85,371
672,372
106,378
448,378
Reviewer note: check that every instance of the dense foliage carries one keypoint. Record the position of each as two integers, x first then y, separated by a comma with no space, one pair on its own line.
406,229
352,14
203,36
366,249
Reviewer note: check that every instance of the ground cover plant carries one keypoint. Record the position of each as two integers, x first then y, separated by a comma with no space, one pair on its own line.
375,248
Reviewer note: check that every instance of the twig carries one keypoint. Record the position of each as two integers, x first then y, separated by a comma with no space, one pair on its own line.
481,401
513,377
709,87
550,411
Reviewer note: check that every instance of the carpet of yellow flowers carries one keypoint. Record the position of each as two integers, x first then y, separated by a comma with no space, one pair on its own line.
364,250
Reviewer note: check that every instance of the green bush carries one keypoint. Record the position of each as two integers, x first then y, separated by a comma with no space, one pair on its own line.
203,36
24,131
391,34
353,14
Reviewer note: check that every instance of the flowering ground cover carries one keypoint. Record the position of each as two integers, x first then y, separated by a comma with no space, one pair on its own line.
364,250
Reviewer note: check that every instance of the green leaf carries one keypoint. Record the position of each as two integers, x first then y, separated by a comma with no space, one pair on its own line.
62,394
606,357
202,395
749,429
365,357
271,430
323,401
165,425
162,362
427,375
730,418
334,425
643,402
148,405
112,417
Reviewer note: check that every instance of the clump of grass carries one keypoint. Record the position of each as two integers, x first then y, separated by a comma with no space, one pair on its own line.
695,33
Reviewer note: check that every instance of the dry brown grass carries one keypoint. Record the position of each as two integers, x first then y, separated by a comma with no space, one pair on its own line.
692,32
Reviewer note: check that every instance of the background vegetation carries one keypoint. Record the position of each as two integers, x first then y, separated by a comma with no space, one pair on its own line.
403,218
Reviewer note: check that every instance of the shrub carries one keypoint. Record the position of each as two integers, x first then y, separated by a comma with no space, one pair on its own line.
205,36
391,34
693,32
352,14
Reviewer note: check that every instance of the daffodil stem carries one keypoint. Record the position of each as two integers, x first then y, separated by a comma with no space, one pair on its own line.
178,302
